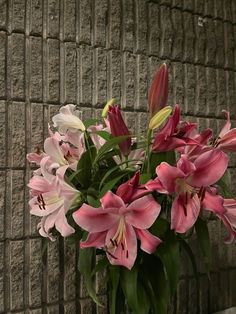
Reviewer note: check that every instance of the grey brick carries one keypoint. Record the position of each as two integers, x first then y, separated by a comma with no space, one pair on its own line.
167,33
2,64
3,13
227,10
2,204
199,6
229,45
37,311
182,296
70,269
230,90
177,21
53,16
223,290
100,281
128,80
100,79
167,2
53,309
189,37
85,75
100,22
188,5
1,277
232,279
153,65
178,84
209,7
36,17
211,91
177,4
129,120
193,298
214,230
17,203
70,308
203,295
35,272
69,19
141,22
127,24
140,102
200,90
53,49
102,310
221,91
16,275
233,7
17,134
3,150
219,32
114,24
200,40
36,75
70,72
18,15
154,32
86,306
190,85
211,42
142,121
85,21
114,74
53,272
17,66
219,11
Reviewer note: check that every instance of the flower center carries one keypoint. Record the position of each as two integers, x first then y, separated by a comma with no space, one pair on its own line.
118,239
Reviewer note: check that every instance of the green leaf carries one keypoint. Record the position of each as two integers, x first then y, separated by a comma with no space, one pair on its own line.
224,184
84,167
110,184
104,134
153,275
168,252
89,122
129,286
109,145
114,278
101,265
160,227
204,241
191,256
144,178
86,261
157,158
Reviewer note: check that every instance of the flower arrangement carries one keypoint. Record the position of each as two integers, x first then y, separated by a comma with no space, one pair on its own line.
133,199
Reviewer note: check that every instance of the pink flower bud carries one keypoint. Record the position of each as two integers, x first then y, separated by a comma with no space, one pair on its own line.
158,92
119,128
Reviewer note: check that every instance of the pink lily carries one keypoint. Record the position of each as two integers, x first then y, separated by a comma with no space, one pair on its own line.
173,135
51,201
229,219
227,137
132,190
186,181
116,227
158,92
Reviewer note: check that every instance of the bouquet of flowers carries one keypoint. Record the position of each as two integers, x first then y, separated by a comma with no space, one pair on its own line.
133,199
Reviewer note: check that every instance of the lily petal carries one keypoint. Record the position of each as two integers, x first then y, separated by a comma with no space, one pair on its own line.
111,200
167,175
94,240
149,242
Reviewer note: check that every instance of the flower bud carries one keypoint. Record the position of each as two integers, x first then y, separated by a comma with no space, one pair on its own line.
106,107
158,92
159,117
119,128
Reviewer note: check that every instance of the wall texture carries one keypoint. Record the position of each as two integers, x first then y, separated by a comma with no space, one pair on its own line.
83,52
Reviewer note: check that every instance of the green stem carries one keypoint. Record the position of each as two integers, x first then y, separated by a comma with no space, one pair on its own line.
149,136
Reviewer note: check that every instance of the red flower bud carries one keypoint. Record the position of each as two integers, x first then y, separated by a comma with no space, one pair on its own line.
158,92
119,128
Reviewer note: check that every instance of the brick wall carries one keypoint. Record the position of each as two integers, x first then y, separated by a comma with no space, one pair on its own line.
83,52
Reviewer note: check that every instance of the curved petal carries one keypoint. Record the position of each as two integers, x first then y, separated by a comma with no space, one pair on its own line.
94,219
213,202
185,165
156,185
124,254
210,167
62,225
149,242
167,175
94,240
142,212
52,148
184,215
230,207
112,201
227,125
